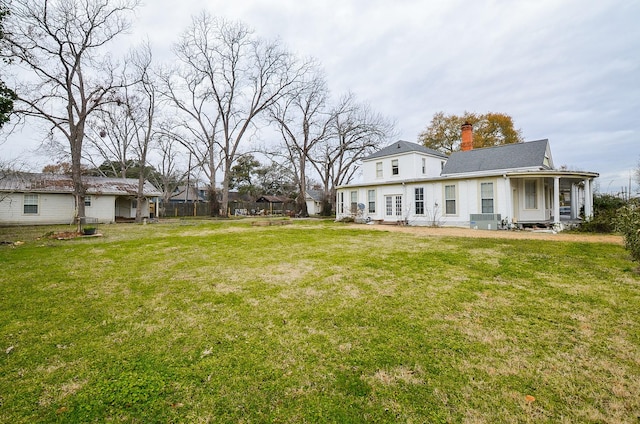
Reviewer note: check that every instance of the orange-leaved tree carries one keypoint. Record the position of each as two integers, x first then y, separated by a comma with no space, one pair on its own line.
489,129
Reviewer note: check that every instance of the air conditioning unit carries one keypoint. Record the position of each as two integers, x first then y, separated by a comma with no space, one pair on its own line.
484,221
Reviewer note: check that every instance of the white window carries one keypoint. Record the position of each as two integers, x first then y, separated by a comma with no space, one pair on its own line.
354,201
450,199
87,200
31,202
371,198
393,205
419,192
394,167
399,205
486,196
424,165
378,169
341,202
531,194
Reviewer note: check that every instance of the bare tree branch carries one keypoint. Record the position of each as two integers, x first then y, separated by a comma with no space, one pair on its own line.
62,44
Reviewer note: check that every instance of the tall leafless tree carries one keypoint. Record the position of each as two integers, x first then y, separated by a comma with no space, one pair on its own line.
168,176
109,139
141,103
241,76
64,45
122,132
356,132
303,121
196,123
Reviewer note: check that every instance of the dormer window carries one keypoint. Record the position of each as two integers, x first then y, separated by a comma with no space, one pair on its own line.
378,169
394,167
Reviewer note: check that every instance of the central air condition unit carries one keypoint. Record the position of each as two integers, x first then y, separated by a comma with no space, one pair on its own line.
484,221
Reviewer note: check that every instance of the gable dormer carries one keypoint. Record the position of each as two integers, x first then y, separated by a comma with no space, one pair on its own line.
403,160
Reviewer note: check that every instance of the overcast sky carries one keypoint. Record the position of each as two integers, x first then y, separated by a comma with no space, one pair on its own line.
568,71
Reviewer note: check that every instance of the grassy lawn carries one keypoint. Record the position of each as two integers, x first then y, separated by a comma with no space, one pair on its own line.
199,321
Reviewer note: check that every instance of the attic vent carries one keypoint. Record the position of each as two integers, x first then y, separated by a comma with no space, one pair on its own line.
398,145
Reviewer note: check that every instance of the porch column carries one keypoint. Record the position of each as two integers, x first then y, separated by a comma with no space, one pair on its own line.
575,199
507,199
588,199
556,200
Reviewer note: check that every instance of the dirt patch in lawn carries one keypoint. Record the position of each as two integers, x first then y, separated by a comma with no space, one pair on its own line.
467,232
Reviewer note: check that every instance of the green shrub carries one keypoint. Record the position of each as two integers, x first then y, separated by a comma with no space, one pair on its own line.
605,210
628,223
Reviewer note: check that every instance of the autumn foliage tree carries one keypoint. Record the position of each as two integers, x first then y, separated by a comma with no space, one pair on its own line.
489,129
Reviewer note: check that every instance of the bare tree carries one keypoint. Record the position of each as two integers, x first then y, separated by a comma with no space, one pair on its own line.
7,96
122,132
303,122
356,132
169,176
195,125
242,76
109,140
141,103
64,44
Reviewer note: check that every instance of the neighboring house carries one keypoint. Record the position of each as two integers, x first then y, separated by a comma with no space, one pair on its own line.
274,205
515,184
193,194
34,199
314,202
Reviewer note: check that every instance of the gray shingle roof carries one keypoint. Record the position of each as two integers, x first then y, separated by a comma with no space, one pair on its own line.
53,183
402,146
526,155
315,195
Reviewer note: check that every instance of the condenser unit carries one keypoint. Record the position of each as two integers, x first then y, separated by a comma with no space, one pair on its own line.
484,221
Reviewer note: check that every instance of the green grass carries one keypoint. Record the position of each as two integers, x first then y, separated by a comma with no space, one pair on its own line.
211,321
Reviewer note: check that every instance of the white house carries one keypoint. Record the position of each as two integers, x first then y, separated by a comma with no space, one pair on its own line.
34,199
514,184
314,202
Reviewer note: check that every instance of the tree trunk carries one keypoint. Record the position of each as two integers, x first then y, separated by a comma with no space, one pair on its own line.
76,176
302,196
225,196
142,177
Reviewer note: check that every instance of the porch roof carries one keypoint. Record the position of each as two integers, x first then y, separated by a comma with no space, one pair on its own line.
550,173
23,182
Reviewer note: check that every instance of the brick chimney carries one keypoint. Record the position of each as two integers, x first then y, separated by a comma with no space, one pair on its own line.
467,137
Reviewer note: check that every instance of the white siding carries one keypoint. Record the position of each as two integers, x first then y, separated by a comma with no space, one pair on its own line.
536,214
52,209
60,209
468,201
102,208
409,164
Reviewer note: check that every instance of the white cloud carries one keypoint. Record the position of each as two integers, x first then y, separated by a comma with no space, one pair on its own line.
568,71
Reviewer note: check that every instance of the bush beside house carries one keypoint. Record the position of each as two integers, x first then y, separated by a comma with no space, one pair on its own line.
628,223
605,212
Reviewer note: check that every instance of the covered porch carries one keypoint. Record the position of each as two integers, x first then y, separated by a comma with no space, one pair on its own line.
549,198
